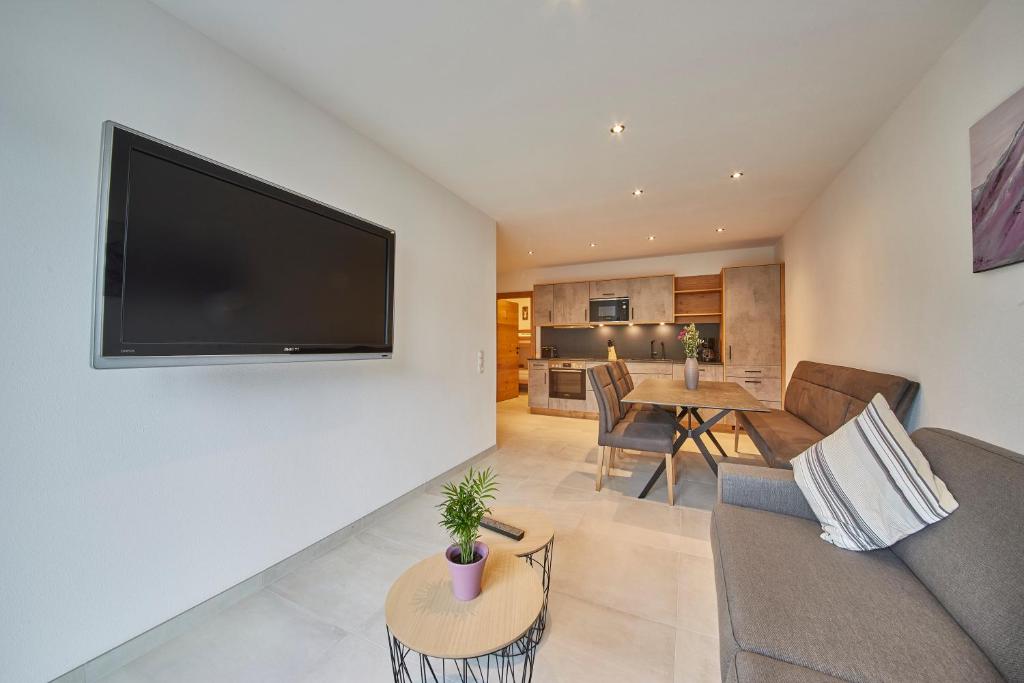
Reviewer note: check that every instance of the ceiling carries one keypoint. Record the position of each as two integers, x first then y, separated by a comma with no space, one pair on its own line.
508,103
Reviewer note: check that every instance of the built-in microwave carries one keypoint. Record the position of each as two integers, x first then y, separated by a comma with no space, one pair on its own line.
609,310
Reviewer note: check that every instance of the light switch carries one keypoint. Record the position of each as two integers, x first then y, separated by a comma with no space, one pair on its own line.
480,361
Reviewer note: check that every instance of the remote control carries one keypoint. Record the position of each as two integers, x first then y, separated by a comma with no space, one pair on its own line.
494,525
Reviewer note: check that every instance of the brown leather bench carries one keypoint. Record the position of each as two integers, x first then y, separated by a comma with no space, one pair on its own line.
820,399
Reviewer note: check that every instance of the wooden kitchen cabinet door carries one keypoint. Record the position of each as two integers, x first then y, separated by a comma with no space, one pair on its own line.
572,303
652,299
543,305
752,318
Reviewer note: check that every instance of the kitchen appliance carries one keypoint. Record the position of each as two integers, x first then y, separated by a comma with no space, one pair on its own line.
549,352
568,380
609,310
706,353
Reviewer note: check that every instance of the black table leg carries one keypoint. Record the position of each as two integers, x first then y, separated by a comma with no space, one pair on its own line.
653,480
711,434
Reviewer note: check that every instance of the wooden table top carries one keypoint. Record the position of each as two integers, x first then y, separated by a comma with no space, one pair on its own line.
423,614
536,524
673,392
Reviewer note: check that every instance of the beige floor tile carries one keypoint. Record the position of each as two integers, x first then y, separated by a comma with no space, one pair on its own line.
696,658
262,638
615,573
697,605
353,659
588,642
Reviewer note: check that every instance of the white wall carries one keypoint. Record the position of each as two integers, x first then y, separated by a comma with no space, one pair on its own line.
127,496
878,270
702,263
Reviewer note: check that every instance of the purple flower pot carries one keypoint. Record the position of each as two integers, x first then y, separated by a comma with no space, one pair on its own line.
466,578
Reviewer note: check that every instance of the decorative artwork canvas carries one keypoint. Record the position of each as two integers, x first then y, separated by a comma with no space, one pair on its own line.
997,182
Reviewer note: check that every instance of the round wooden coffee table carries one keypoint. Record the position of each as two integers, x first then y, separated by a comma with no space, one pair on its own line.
434,637
536,547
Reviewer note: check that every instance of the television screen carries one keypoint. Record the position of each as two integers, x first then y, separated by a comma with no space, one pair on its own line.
201,263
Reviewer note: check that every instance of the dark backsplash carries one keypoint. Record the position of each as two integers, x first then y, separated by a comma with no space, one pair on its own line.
630,341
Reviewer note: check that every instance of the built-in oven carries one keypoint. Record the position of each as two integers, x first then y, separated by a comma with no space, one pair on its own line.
609,310
567,380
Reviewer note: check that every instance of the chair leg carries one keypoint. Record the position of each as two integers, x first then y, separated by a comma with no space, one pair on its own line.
736,437
670,477
613,459
600,467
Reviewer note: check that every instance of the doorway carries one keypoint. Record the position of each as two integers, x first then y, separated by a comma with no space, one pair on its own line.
514,315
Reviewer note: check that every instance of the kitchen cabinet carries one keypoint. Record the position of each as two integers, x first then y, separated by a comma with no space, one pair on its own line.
752,330
652,299
543,305
537,396
572,303
709,372
609,289
753,315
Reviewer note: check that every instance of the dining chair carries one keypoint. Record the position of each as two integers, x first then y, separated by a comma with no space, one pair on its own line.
617,431
638,412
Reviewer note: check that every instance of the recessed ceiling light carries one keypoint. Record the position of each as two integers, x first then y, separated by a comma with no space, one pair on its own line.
637,192
593,244
719,229
529,253
617,128
736,175
650,238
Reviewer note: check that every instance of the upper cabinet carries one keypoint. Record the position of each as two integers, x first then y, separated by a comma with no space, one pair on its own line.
753,315
572,303
609,289
651,299
543,305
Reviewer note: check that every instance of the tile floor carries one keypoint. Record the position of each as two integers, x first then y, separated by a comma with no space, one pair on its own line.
633,595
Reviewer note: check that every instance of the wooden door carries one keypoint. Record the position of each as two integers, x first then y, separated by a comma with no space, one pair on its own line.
572,303
508,350
651,299
753,315
543,305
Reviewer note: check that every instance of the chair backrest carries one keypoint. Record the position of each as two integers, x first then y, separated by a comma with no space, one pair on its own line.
625,373
971,561
621,386
608,410
828,396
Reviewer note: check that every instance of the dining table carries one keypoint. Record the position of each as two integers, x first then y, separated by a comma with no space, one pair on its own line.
722,397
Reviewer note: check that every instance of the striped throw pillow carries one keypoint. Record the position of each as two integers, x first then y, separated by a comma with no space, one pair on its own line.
869,484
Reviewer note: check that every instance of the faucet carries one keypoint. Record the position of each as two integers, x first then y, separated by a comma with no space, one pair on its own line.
652,349
663,356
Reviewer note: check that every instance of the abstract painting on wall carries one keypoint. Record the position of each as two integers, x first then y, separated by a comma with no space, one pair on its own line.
997,182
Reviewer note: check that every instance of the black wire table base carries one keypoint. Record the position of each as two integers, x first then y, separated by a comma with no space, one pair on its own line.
544,564
511,664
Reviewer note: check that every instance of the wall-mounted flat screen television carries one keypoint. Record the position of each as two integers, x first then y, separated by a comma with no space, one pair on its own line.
198,263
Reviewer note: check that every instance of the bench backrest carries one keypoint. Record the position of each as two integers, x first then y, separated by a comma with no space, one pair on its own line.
828,396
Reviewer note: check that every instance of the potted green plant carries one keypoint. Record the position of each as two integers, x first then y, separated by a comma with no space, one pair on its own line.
464,505
691,343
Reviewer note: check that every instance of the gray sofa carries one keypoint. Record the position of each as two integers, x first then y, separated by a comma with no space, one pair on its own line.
820,399
945,604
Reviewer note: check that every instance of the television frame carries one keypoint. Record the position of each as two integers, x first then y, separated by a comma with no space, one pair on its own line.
292,354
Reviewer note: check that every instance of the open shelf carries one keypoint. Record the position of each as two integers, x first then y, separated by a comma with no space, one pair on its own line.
698,291
698,298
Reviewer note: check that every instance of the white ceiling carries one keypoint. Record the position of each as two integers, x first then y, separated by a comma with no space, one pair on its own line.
508,103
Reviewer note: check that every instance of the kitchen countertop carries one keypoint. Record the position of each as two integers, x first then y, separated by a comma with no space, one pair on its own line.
631,360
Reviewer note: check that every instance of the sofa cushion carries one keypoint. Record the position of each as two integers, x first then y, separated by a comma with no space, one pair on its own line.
855,616
869,484
748,667
779,436
971,561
